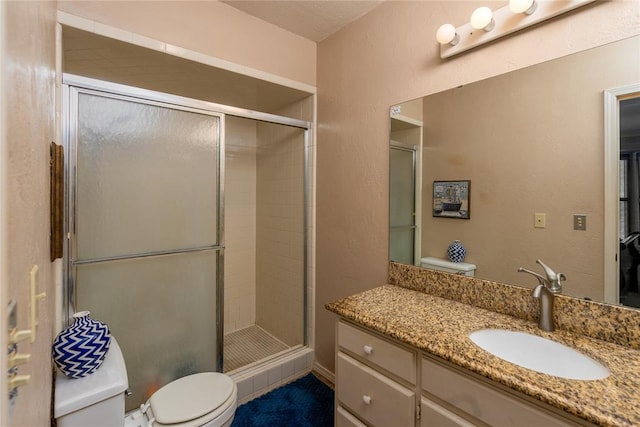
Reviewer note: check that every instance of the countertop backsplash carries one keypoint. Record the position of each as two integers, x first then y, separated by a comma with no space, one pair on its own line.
615,324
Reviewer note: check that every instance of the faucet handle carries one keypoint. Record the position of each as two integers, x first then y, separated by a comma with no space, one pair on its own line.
541,280
551,275
558,282
555,279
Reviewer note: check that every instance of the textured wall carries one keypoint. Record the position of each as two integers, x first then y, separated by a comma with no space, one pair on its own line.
28,88
387,57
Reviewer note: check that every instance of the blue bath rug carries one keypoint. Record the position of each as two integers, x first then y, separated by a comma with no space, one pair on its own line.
306,402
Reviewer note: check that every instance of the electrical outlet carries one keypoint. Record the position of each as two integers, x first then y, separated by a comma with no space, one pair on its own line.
540,220
579,222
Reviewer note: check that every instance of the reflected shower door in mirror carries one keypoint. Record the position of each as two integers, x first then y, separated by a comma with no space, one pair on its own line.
402,227
531,141
405,184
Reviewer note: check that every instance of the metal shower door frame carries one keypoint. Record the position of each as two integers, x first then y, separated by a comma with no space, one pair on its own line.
72,86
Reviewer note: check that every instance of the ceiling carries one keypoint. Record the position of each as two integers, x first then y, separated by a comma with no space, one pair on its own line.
311,19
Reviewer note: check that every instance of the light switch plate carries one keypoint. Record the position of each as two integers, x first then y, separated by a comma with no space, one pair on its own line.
579,222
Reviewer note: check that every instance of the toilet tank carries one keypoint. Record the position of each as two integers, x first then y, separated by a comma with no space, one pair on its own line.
95,400
463,268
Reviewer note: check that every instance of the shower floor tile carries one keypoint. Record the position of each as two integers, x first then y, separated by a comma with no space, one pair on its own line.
249,345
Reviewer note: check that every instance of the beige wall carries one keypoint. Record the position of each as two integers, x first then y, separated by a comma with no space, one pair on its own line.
531,141
387,57
28,90
208,27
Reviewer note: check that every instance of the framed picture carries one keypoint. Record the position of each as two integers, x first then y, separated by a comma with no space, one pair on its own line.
451,199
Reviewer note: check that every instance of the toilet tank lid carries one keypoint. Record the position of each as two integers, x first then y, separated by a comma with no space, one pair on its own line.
107,381
437,262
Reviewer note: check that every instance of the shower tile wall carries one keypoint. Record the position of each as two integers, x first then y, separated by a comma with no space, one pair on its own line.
280,237
240,224
264,227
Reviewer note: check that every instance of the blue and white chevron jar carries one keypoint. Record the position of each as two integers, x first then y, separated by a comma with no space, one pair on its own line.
456,251
81,348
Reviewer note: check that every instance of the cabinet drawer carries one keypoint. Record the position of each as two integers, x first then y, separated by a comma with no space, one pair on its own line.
434,415
373,397
482,401
345,419
395,359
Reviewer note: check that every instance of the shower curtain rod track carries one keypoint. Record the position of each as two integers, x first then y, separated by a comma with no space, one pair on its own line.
146,255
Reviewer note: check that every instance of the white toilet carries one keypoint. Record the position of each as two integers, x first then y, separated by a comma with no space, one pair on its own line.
201,400
462,268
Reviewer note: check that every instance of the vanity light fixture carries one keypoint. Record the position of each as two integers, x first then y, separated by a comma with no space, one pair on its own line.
523,6
487,25
482,19
446,34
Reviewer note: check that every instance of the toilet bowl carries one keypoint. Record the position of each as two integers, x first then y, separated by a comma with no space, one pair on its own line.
207,399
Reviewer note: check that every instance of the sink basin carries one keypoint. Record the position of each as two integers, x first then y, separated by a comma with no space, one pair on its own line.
539,354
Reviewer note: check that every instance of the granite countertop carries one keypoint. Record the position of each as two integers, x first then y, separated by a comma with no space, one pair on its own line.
441,327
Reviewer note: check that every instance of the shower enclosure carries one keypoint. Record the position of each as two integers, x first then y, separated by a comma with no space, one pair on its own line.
186,225
265,240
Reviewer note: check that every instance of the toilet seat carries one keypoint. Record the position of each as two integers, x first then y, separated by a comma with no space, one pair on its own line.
194,400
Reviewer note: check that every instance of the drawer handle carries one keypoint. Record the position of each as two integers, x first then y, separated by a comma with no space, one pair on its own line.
366,399
367,349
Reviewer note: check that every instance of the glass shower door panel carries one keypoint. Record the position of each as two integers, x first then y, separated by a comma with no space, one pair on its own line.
162,311
401,243
147,178
401,205
280,238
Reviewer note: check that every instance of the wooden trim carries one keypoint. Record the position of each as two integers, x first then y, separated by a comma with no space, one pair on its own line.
57,201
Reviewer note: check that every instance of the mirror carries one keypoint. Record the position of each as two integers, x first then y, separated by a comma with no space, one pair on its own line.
531,143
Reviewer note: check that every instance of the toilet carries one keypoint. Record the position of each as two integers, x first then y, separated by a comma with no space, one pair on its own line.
462,268
206,399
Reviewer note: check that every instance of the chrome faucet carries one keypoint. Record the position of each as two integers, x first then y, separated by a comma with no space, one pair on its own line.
547,287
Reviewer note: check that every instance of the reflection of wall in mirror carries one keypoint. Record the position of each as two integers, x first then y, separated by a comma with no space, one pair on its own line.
531,141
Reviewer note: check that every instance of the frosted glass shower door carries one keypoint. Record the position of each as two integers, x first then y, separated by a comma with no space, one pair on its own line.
401,205
146,250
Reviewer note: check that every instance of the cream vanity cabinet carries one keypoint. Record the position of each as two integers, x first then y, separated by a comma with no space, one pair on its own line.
376,380
380,382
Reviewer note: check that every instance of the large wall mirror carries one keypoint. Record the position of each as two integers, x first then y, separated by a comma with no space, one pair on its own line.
530,142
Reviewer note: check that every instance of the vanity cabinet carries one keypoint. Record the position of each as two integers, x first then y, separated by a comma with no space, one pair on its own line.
376,380
486,402
381,382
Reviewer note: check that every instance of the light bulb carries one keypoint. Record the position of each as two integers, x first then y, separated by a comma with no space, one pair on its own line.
523,6
482,19
446,34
